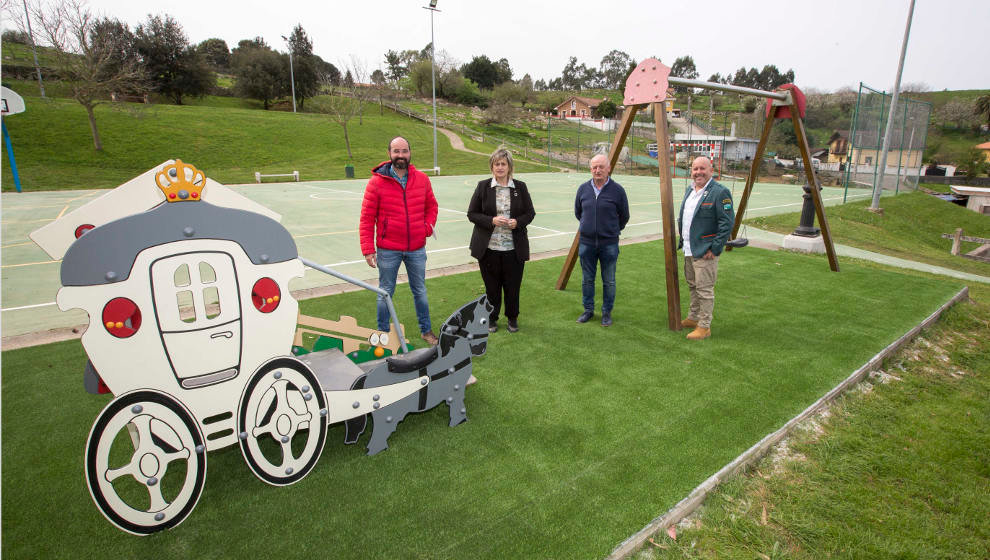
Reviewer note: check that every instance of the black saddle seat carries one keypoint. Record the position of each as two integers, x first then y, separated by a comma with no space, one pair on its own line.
411,361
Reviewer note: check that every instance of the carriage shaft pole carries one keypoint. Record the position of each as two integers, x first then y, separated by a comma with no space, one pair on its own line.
366,286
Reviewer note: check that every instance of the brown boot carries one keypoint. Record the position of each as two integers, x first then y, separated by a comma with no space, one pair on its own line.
689,323
430,338
699,333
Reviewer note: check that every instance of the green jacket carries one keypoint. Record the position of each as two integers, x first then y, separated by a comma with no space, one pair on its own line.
712,222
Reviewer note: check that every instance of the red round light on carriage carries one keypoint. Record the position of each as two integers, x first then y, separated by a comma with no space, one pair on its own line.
83,229
121,317
265,295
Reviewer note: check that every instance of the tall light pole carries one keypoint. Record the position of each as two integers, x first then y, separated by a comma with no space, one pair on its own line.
433,76
34,49
292,77
874,205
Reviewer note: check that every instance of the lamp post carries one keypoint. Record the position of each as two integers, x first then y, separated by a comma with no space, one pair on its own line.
34,49
878,185
292,77
433,77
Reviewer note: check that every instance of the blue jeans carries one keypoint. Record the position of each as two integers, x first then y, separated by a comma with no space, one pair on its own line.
591,255
388,270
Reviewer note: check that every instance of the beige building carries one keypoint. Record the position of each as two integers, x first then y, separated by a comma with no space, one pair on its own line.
576,106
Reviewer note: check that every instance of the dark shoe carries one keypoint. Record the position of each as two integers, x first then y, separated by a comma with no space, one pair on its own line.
586,316
513,325
607,319
493,328
430,338
689,323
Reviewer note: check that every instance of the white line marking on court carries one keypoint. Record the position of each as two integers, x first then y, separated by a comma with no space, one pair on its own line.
316,196
547,229
28,306
454,211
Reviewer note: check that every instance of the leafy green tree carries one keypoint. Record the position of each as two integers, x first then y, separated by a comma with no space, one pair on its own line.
974,161
607,108
378,78
176,69
468,93
503,72
121,50
614,68
482,71
684,68
396,67
305,65
576,76
216,52
261,73
89,60
527,94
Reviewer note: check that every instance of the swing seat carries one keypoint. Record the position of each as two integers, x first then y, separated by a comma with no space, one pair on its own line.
737,243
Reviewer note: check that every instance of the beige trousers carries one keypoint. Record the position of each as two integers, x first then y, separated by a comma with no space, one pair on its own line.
700,275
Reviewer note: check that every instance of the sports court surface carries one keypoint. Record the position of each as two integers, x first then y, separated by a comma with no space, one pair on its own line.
323,218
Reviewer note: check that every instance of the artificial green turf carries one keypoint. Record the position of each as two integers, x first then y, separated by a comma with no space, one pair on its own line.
578,435
900,471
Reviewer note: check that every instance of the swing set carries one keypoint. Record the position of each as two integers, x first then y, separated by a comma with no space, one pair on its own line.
647,85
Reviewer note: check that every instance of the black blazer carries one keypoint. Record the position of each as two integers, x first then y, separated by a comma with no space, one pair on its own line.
481,210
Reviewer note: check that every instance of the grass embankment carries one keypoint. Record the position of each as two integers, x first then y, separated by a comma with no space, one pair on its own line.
54,147
910,227
578,435
897,470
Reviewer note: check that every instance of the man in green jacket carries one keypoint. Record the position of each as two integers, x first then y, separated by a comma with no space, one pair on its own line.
705,222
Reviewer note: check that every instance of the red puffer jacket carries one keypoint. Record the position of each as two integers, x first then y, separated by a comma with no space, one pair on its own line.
395,218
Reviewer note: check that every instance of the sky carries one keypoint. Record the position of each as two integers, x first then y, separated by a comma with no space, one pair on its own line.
829,45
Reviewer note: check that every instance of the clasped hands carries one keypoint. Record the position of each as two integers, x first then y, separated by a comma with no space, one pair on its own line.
504,222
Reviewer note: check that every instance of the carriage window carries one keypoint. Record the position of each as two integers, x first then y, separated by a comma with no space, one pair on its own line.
206,273
187,311
182,276
211,299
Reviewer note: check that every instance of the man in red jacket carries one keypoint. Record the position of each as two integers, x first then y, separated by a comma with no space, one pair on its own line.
398,213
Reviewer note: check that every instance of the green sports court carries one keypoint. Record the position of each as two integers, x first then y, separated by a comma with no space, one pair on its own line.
323,218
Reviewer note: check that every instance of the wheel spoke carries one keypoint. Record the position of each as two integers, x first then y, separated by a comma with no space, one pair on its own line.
286,453
158,502
131,468
167,458
142,423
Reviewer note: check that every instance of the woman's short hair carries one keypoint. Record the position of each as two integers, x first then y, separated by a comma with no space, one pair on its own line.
501,153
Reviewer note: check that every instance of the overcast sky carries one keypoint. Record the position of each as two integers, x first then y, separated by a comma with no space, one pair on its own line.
828,44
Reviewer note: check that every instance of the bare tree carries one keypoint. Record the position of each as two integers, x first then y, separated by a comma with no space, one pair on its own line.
343,103
90,61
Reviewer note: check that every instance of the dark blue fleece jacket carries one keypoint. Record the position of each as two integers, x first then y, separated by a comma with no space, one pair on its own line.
604,217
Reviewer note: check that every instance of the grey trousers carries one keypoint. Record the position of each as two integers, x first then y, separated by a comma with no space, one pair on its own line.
700,275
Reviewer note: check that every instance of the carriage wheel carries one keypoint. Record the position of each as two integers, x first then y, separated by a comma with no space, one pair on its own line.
281,422
148,479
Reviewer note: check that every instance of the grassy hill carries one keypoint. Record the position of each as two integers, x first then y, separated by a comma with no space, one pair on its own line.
54,148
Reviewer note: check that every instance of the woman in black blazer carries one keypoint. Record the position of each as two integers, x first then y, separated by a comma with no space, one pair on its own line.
500,210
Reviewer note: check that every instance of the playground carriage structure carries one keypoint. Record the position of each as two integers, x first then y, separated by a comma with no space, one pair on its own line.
191,328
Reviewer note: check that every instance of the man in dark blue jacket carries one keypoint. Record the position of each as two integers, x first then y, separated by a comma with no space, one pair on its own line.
602,209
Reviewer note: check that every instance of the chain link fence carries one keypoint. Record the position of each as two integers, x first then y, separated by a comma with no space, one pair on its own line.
906,147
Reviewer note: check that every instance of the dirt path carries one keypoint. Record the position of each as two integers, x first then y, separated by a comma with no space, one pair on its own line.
456,142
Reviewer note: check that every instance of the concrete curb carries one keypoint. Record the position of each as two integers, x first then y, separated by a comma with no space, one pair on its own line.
749,457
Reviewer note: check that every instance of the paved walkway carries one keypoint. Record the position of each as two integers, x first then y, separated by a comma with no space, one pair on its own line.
772,240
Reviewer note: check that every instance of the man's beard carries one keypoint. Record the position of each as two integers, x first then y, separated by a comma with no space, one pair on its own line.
400,163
